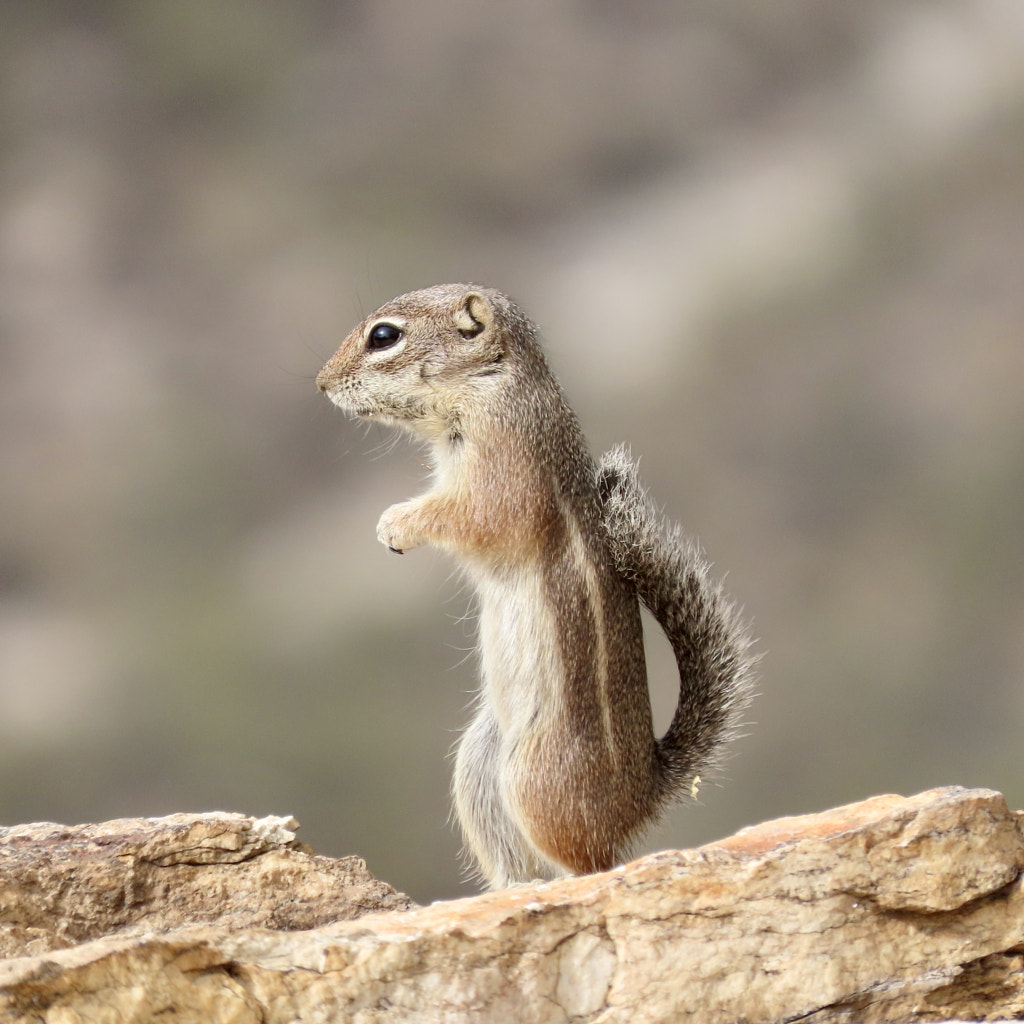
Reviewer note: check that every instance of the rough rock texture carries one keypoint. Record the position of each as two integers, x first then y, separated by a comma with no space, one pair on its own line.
61,885
889,910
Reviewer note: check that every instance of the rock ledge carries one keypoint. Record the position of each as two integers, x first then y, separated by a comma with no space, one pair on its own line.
894,909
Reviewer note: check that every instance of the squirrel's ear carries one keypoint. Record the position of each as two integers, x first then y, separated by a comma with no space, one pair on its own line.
474,316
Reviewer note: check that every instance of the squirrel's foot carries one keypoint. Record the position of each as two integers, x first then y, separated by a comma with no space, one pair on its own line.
396,529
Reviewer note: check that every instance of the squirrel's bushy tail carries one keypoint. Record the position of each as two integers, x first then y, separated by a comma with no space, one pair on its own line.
711,642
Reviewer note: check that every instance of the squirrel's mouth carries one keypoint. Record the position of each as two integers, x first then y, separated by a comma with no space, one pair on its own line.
389,417
359,408
364,412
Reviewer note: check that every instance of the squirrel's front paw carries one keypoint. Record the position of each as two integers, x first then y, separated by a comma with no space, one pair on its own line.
395,529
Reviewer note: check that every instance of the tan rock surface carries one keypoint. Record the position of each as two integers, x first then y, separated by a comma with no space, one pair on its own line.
62,885
891,909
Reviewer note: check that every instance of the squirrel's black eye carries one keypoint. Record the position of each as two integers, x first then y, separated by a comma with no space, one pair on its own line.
384,335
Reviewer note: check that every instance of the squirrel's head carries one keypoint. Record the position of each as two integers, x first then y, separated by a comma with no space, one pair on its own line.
426,359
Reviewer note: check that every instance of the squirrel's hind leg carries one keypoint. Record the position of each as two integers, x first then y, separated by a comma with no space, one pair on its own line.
503,853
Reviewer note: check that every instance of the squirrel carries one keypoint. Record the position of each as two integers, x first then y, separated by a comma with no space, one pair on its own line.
559,770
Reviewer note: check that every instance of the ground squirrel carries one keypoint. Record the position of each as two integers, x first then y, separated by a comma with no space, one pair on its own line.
559,770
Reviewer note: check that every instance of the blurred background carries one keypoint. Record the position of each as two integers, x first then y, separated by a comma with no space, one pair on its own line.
777,247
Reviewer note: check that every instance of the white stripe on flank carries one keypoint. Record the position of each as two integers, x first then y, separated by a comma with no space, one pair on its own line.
593,586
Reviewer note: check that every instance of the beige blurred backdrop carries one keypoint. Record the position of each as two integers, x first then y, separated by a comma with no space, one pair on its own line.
778,247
